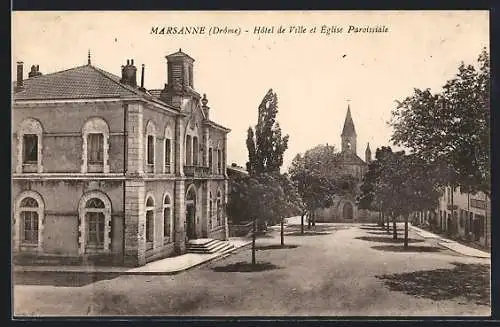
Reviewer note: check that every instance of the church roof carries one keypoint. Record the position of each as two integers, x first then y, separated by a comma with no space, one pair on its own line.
348,124
348,157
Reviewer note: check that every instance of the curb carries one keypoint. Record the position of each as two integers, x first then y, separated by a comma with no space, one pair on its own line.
445,245
39,269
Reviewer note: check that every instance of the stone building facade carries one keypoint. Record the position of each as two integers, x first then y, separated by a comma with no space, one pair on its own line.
345,208
106,170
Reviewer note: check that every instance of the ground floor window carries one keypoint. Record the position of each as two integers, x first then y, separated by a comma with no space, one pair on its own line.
95,230
30,227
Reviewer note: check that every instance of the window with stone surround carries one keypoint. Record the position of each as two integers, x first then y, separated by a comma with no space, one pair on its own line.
219,208
94,223
29,147
150,222
28,221
168,158
211,212
167,219
95,134
195,151
219,161
210,159
189,151
150,143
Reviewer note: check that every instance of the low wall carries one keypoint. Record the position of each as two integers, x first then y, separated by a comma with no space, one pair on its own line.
240,230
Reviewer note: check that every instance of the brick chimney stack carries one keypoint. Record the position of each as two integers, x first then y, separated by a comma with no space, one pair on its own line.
19,77
142,88
129,74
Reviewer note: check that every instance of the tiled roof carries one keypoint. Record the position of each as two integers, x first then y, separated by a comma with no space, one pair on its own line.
179,54
83,82
155,92
348,157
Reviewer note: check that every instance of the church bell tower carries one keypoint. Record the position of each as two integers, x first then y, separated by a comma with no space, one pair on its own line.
348,134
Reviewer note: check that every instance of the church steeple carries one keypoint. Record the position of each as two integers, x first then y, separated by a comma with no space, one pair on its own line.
348,133
368,153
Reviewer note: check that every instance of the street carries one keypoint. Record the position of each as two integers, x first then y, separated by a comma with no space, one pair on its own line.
338,270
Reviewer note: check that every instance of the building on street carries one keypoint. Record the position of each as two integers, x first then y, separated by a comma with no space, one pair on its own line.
345,208
105,170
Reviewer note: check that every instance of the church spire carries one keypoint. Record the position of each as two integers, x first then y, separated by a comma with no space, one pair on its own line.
88,58
368,153
348,133
348,124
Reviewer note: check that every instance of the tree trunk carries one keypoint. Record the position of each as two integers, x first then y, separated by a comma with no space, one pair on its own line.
254,231
282,232
313,219
388,225
309,220
302,223
406,231
394,227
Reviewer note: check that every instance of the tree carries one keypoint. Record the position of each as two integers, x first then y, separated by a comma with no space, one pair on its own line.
451,128
402,184
267,196
319,178
266,144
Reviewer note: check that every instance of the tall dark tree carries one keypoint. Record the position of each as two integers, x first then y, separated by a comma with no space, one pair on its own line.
266,144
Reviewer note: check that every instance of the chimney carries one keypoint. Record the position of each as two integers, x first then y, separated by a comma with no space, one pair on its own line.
204,107
19,78
35,71
142,79
129,74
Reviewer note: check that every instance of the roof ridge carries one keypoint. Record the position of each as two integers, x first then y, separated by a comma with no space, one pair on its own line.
112,78
54,73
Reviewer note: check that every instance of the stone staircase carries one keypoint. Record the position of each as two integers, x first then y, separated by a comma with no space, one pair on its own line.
208,246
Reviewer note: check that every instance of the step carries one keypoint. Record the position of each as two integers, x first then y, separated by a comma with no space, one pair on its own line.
209,247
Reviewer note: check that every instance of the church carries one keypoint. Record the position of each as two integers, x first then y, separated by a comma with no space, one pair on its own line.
345,208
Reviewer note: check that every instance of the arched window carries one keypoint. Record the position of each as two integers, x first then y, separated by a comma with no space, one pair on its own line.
95,223
150,147
189,151
29,146
95,134
168,157
150,221
167,219
219,208
196,151
28,221
211,211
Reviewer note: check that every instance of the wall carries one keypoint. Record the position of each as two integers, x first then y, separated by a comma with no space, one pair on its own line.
60,233
62,138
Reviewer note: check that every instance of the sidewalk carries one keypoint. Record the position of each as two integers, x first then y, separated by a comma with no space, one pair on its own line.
166,266
452,245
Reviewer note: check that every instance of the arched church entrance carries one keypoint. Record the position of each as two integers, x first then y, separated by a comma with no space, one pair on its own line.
347,211
191,213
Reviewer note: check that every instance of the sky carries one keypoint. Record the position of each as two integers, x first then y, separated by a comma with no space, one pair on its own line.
315,75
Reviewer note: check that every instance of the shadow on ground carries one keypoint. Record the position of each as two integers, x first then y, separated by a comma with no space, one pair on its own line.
381,233
67,279
410,248
306,233
387,239
275,247
317,228
470,281
380,229
244,266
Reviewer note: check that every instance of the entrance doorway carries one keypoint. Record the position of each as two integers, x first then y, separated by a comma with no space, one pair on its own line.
347,212
191,214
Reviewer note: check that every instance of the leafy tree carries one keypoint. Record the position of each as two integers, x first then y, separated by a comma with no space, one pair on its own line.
319,178
450,129
404,184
